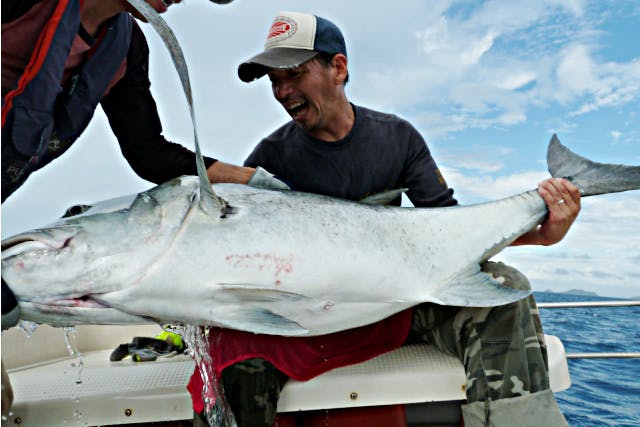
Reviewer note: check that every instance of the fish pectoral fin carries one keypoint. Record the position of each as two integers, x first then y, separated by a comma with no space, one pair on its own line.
384,198
253,293
263,321
249,313
476,288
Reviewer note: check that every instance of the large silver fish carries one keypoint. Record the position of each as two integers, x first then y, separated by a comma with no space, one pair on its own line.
274,262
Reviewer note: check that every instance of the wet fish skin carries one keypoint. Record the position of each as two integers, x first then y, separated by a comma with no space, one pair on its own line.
274,262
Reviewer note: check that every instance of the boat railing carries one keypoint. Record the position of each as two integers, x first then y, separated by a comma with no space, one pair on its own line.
595,304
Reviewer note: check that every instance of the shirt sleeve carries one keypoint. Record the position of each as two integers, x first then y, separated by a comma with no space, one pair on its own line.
426,184
257,157
134,119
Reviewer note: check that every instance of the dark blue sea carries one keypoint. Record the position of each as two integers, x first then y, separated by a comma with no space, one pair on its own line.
603,392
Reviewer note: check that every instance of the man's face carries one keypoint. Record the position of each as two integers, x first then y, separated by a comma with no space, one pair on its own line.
308,93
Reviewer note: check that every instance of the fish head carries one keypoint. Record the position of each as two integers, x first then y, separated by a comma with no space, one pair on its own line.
61,273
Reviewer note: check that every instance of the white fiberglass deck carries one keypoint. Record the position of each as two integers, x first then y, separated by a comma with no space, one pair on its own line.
55,393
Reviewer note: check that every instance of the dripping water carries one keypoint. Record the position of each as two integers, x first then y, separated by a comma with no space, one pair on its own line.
71,342
216,408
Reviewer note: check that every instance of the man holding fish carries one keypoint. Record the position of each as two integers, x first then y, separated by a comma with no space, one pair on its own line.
336,148
60,58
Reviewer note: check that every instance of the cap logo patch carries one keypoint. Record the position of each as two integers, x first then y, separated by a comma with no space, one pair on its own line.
282,28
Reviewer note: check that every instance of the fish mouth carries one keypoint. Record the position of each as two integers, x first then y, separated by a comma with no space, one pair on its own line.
51,242
71,310
37,241
77,311
83,301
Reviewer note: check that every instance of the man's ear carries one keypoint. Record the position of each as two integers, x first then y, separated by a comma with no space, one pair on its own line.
339,62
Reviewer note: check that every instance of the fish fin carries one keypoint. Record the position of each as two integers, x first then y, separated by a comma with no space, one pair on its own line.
262,321
477,289
252,293
209,201
142,205
384,198
590,177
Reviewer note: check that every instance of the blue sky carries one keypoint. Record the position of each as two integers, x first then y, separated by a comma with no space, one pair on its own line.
486,83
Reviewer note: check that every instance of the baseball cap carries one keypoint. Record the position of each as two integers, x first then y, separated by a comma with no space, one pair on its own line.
294,38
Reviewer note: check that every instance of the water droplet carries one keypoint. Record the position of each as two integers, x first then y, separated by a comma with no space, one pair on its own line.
70,340
27,327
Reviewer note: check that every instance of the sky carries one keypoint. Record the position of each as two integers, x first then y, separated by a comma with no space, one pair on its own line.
487,83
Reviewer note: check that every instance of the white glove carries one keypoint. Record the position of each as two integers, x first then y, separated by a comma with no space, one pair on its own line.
264,179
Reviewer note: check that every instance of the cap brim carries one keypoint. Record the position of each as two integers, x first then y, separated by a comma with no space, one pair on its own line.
274,58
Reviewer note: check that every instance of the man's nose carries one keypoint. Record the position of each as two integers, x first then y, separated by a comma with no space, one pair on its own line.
281,90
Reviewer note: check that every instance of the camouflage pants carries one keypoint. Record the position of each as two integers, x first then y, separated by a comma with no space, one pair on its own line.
502,349
503,352
252,388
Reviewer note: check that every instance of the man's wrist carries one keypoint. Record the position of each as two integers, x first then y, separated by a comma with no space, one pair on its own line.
225,172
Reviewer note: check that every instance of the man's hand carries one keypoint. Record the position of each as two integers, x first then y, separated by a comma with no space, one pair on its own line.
259,177
563,201
264,179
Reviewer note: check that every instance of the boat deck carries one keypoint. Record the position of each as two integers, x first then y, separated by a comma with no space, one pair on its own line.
58,392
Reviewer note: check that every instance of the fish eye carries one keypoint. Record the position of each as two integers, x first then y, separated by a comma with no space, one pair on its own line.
76,210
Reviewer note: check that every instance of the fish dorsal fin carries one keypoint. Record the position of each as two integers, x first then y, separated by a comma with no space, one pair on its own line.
590,177
209,201
383,198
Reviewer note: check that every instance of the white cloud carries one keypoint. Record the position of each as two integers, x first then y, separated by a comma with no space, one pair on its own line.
597,253
473,188
493,64
575,73
615,135
517,80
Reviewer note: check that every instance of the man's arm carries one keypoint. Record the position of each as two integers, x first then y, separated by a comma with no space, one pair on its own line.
226,172
563,200
426,184
561,196
134,119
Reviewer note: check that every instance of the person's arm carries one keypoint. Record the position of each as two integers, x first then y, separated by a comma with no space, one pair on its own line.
561,196
134,119
426,184
226,172
563,200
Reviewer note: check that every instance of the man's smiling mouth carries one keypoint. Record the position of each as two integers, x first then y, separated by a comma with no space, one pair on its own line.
295,109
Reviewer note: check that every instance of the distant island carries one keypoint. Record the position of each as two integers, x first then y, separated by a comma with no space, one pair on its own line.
575,292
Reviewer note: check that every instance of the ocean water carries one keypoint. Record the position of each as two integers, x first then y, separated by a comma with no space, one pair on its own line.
603,392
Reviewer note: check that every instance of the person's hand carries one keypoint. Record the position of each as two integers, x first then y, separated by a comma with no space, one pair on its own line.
563,201
264,179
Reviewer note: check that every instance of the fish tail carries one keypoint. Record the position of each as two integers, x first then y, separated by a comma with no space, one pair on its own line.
590,177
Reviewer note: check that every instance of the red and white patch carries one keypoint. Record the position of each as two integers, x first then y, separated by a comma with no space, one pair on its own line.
281,29
278,265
